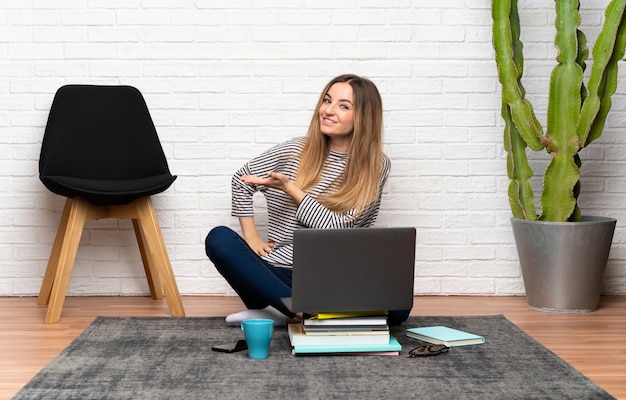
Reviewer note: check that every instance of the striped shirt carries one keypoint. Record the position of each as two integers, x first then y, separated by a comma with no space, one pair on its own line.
284,215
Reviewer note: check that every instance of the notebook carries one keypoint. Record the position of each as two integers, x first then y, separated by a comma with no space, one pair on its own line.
392,348
445,335
349,270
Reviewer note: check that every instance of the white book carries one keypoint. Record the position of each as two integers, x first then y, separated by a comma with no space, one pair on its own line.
298,337
349,332
350,321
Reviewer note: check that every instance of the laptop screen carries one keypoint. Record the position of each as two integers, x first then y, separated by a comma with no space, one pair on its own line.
359,269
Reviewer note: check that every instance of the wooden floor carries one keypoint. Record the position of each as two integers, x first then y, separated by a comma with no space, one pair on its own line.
594,343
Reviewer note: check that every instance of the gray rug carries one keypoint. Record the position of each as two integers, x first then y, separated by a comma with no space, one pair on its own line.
171,358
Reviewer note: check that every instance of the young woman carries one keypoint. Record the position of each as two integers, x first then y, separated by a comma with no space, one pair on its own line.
332,178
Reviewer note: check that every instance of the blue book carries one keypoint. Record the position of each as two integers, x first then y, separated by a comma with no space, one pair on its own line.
444,335
391,348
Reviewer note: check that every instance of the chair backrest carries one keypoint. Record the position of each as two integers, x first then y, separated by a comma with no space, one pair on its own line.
101,133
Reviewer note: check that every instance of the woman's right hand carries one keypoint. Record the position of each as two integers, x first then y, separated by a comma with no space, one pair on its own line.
259,246
251,236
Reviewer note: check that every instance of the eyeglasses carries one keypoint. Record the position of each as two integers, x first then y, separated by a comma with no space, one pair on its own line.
428,351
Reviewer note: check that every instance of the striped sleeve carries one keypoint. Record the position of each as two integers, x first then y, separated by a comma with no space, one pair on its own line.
241,200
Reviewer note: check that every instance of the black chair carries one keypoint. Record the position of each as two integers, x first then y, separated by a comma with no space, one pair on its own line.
100,150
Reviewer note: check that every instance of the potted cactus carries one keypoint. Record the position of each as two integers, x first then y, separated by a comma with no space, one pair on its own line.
563,254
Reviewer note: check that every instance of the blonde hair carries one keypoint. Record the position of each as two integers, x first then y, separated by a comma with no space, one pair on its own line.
360,183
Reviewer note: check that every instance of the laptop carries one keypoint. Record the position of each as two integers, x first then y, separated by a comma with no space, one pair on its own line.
350,270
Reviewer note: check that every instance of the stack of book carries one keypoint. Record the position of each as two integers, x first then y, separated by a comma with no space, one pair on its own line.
343,334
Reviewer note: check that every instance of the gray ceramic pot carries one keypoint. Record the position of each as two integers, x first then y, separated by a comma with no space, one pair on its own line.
563,263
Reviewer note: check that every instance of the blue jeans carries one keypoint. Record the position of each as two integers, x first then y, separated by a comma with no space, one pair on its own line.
258,283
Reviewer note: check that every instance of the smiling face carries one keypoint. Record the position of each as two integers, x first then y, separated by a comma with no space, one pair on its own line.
336,115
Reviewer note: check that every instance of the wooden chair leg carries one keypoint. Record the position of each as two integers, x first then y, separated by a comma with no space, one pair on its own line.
53,261
152,275
157,251
67,254
151,246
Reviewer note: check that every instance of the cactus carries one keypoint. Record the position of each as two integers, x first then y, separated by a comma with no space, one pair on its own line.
576,113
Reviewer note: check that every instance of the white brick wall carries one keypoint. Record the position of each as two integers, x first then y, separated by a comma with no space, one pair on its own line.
227,79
